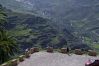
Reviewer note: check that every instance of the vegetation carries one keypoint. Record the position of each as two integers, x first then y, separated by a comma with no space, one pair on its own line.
75,22
8,45
76,26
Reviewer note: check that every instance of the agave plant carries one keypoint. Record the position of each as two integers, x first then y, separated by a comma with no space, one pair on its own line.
7,48
8,45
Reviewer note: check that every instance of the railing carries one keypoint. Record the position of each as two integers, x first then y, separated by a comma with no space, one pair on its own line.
28,53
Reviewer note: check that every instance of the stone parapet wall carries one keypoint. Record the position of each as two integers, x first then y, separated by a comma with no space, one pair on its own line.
28,53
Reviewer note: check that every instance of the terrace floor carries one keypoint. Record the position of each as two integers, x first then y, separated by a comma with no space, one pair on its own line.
56,59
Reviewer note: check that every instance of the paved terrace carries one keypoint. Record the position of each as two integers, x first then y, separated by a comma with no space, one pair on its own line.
55,59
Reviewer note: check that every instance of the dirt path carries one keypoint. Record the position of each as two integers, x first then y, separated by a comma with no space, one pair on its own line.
55,59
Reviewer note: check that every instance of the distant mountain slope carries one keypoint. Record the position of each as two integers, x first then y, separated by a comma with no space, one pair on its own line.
79,17
30,30
63,12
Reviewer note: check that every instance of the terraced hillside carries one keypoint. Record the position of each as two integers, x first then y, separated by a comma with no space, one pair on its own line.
80,18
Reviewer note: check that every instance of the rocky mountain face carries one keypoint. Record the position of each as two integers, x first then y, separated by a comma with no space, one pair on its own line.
76,19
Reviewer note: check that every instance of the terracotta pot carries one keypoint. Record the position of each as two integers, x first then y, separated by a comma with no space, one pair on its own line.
92,53
78,52
50,49
32,50
63,50
35,49
27,54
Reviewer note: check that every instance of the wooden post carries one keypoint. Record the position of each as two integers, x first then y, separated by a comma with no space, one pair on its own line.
27,54
35,49
5,64
78,52
92,53
21,58
63,50
49,49
14,62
